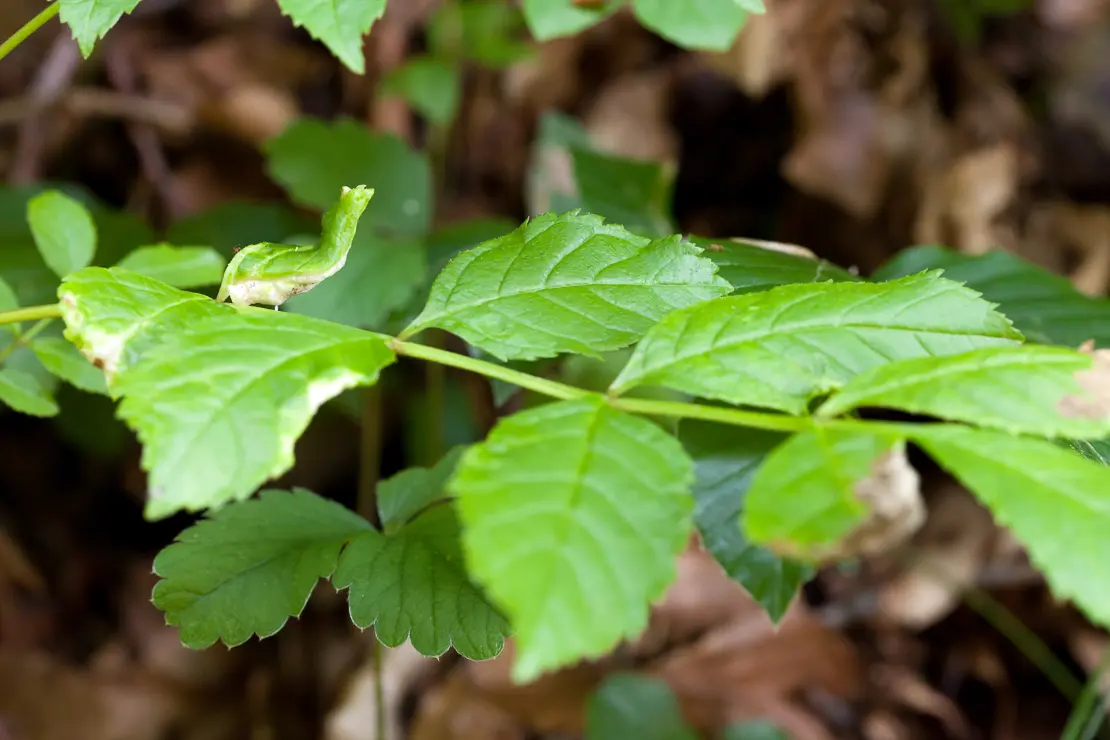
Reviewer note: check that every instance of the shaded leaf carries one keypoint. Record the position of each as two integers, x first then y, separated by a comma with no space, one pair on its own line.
314,159
65,361
220,403
725,461
412,584
573,515
633,193
631,706
245,569
1052,499
1025,389
756,730
405,494
20,391
181,267
833,494
64,231
338,24
239,223
782,347
485,31
751,268
430,86
567,283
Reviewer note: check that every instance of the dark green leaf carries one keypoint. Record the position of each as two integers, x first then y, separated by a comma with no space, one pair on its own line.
629,706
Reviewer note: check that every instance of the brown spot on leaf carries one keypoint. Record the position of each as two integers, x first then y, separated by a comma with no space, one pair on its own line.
1095,381
715,248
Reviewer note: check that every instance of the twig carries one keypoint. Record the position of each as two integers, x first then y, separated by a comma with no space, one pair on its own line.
51,80
101,103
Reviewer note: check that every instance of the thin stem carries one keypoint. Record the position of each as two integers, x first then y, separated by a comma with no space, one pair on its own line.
435,400
31,313
24,339
489,369
29,27
719,414
370,454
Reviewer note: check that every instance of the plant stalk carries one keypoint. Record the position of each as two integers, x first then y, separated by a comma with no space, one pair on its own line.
31,313
28,28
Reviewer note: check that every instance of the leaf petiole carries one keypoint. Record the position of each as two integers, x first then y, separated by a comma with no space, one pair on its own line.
31,313
28,28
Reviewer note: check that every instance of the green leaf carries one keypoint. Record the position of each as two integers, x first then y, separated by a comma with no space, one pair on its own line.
573,516
484,31
8,300
20,390
238,223
636,194
412,584
566,283
219,404
725,461
113,315
90,20
833,481
549,19
1095,450
271,274
1026,389
313,160
404,495
338,24
244,570
65,361
430,86
782,347
631,706
380,275
755,730
1053,500
181,267
750,267
64,231
1044,306
710,25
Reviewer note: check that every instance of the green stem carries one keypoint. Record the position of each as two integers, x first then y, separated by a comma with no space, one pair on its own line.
31,313
29,27
719,414
24,339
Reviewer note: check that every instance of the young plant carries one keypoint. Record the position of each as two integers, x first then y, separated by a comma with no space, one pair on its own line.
563,525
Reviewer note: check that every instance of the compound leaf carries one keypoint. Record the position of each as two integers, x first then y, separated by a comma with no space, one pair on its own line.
1027,389
89,20
711,25
815,491
782,347
20,391
412,584
725,461
181,267
113,315
566,283
245,569
219,404
573,515
338,24
1053,500
314,159
63,230
65,361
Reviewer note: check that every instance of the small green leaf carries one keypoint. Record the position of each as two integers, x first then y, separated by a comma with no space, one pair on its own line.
813,492
412,584
113,315
430,86
90,20
711,25
181,267
1044,306
631,706
313,160
64,231
782,347
549,19
338,24
271,274
20,391
381,275
219,404
567,283
406,494
1025,389
244,570
1052,499
750,267
65,361
573,516
725,461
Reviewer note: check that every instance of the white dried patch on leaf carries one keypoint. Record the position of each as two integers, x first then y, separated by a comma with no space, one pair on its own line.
1095,403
